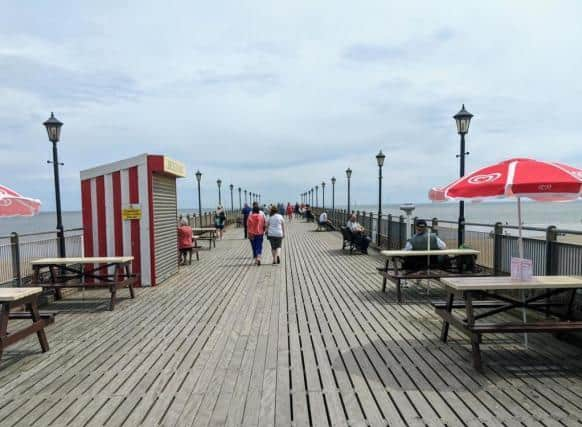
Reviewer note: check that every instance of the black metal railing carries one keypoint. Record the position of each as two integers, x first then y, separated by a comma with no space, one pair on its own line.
18,250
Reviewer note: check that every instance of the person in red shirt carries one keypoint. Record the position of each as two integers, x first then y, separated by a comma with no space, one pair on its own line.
289,211
185,241
255,231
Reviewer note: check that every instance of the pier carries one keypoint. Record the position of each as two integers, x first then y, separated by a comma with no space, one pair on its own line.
312,341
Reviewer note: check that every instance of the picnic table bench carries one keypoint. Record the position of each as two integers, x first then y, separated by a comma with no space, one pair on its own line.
469,289
11,298
206,233
396,274
112,273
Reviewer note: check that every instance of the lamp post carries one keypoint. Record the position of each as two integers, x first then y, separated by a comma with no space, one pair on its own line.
312,195
349,176
239,198
323,195
380,159
463,120
333,193
198,178
219,183
53,128
316,195
231,199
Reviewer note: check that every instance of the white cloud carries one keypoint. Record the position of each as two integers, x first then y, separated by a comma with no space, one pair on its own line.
276,97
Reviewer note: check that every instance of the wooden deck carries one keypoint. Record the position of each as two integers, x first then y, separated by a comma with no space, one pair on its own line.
312,341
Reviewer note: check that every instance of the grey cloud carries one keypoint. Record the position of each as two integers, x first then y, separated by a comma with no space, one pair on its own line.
214,78
61,84
372,52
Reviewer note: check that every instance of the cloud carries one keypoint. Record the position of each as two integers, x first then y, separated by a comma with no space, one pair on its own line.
414,48
59,84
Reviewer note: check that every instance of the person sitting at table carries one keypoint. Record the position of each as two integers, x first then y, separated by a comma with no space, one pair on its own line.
420,242
324,222
358,231
185,241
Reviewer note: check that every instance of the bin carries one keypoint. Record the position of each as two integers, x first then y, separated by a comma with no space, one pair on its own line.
129,208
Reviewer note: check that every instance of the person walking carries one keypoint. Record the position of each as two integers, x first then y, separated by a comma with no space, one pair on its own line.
289,212
276,233
219,221
246,211
256,230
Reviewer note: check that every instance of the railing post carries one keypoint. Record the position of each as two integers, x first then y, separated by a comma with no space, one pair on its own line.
371,222
551,253
411,228
497,247
188,219
402,232
15,247
378,222
389,231
435,226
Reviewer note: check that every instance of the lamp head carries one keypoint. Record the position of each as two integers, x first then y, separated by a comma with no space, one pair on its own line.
463,120
380,158
53,128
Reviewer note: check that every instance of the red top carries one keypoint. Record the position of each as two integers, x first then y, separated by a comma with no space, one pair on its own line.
537,180
256,224
184,237
289,209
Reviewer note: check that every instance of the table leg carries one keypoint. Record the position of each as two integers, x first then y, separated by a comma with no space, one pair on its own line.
3,325
475,337
570,304
449,309
130,286
33,308
384,280
58,294
399,290
113,289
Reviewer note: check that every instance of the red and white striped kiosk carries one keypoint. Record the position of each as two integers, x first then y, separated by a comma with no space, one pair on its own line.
130,208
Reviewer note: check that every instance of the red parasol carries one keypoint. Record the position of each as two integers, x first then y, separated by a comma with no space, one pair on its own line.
534,179
14,204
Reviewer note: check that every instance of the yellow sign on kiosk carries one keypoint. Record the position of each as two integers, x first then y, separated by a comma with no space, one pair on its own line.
132,212
174,167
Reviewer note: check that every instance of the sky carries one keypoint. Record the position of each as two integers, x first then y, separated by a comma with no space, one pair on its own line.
276,97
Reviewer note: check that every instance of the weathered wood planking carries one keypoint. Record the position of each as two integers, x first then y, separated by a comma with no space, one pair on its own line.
309,342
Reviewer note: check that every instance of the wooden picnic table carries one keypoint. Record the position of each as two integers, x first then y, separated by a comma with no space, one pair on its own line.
206,233
396,274
15,297
86,273
497,301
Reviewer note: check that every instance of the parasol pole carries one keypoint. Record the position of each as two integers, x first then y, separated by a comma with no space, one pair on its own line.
520,250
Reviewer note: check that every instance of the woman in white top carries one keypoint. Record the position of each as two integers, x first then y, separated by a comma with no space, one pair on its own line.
275,232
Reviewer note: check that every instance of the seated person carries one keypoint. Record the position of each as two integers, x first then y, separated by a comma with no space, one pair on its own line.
185,241
324,222
420,242
308,214
361,240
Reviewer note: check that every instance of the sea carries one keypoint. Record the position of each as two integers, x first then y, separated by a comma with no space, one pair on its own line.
565,216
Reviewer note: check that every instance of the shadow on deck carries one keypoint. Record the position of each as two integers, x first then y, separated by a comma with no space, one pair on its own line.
312,341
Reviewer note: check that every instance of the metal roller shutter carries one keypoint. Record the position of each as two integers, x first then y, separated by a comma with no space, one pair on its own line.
165,214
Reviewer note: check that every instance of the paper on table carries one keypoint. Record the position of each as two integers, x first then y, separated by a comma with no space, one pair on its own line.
521,269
